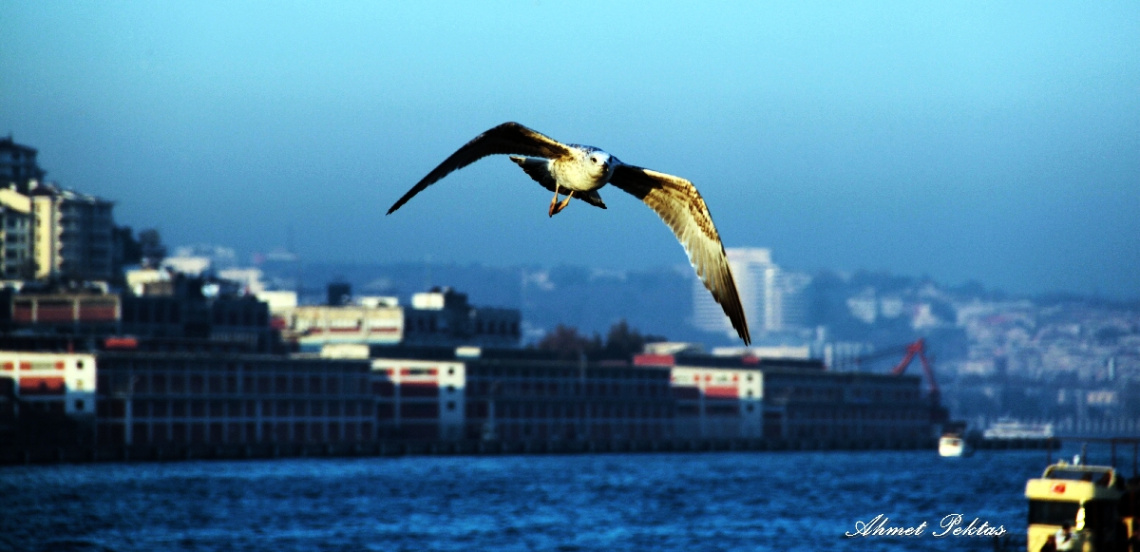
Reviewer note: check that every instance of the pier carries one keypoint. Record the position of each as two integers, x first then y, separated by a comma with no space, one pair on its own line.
29,455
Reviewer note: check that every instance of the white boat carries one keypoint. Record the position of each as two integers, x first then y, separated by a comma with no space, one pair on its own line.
953,445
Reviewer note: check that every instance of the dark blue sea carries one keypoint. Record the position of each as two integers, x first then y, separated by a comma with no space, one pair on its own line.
702,501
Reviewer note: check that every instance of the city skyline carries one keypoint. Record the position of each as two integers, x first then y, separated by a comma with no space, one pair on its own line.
962,142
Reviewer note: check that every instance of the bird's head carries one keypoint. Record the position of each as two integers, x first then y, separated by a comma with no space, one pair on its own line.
601,163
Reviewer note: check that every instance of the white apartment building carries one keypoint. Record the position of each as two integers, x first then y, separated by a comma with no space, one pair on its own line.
757,282
16,261
54,232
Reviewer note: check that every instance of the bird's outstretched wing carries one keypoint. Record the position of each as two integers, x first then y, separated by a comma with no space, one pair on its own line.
679,204
505,138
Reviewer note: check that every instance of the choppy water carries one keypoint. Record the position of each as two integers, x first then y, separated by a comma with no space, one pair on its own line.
717,501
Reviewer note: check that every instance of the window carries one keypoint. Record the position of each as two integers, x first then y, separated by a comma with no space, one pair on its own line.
1050,512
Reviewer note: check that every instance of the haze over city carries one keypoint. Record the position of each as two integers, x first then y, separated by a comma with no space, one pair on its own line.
995,143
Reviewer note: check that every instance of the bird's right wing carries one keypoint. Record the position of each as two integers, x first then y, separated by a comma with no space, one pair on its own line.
681,207
505,138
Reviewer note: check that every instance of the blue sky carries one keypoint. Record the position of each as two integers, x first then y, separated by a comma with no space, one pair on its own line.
996,142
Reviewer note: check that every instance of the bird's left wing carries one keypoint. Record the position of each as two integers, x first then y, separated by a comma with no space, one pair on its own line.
681,207
505,138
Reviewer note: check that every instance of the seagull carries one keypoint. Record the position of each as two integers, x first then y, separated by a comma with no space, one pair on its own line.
580,170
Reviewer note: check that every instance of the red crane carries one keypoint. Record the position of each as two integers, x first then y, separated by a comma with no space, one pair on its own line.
919,348
911,350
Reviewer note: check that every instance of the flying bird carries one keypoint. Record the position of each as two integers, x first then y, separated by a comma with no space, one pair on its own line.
580,171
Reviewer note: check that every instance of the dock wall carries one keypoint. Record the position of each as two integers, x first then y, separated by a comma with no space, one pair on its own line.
167,453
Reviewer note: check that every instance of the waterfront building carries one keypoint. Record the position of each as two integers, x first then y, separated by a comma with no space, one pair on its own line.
419,399
442,317
534,396
169,308
50,383
47,398
138,280
846,407
718,402
716,397
438,318
745,396
513,395
183,307
197,398
145,393
314,326
278,301
91,312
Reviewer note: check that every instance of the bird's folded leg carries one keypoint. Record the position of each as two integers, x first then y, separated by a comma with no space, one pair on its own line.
561,206
554,208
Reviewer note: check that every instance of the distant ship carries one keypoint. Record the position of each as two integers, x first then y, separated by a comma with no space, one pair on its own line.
1010,429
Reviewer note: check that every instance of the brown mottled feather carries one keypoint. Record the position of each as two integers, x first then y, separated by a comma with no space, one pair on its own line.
503,139
681,207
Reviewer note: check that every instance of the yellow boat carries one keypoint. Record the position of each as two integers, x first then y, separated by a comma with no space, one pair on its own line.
1099,508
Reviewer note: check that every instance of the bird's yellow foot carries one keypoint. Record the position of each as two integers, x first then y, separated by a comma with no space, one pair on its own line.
555,209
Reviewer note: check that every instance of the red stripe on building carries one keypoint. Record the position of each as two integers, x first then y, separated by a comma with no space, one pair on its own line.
42,386
55,313
722,391
97,313
22,313
653,360
121,343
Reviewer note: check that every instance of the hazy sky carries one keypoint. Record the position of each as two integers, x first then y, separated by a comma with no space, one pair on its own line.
990,141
